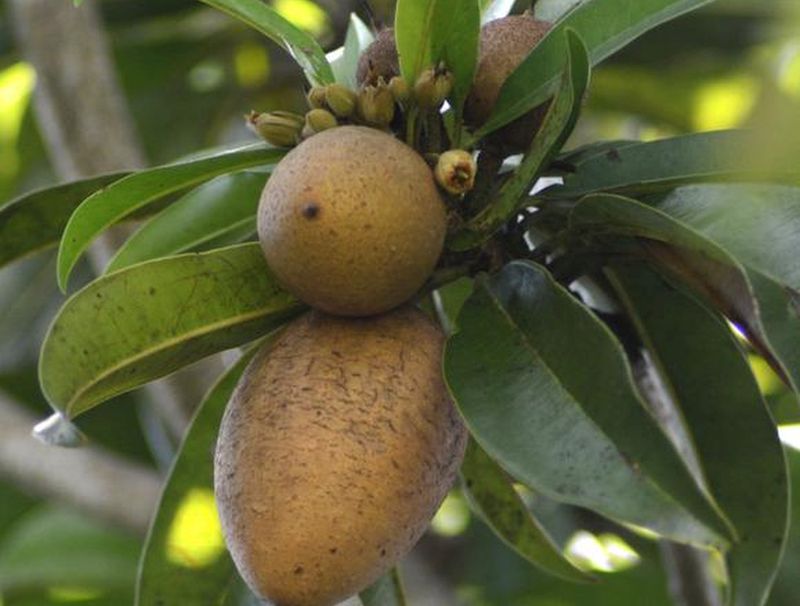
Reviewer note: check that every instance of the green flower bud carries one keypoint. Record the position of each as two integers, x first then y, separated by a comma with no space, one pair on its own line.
432,87
399,88
318,120
455,171
281,129
316,97
376,104
341,100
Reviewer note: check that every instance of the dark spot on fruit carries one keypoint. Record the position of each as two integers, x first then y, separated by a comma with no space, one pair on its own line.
298,570
383,553
152,291
333,550
310,210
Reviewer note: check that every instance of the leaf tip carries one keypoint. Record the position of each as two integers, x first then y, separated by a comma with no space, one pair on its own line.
58,430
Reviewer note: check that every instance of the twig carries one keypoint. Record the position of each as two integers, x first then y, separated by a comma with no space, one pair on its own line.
92,479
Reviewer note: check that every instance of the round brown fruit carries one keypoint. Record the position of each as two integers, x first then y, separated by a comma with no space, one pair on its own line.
337,447
351,221
379,60
504,44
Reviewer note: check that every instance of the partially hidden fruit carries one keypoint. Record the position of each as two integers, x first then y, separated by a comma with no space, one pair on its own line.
351,221
432,88
379,60
376,104
335,451
341,100
281,129
455,171
504,44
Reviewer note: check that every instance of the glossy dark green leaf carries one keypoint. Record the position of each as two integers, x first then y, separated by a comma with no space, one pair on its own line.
53,547
554,10
604,26
36,220
757,224
300,45
169,573
222,207
557,126
662,165
768,312
545,389
707,376
428,31
150,319
493,497
120,199
456,43
386,591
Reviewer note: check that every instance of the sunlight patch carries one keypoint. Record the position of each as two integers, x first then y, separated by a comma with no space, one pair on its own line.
195,536
604,553
452,518
16,86
724,103
304,14
72,594
251,63
790,435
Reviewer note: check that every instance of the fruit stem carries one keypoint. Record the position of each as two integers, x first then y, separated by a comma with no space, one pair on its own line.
411,126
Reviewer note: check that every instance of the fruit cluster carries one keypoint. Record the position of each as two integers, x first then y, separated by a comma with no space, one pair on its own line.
341,440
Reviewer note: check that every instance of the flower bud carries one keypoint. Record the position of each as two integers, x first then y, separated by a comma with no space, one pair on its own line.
376,104
341,100
281,129
316,97
399,88
455,171
432,87
318,120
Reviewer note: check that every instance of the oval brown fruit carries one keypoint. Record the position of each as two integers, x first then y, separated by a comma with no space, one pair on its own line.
379,60
351,221
335,451
504,43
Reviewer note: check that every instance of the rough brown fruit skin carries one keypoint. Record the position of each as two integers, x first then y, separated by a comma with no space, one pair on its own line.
379,60
351,221
504,43
335,451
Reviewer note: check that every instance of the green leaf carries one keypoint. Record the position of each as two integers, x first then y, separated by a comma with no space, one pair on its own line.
223,206
553,10
118,200
604,26
456,43
495,9
299,44
358,38
53,547
765,310
386,591
575,433
150,319
493,497
35,221
558,124
758,224
708,378
184,559
429,31
662,165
